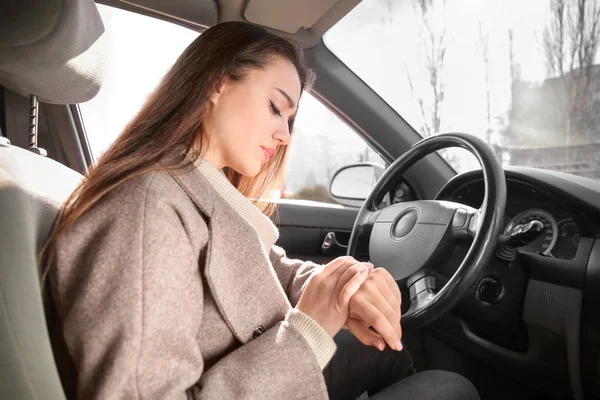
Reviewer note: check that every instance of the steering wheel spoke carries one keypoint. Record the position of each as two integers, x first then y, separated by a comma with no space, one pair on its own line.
465,223
422,292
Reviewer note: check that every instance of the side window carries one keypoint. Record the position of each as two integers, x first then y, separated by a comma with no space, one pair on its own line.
143,49
321,144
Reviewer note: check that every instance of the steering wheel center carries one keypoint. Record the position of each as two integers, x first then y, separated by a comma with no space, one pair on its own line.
405,223
407,237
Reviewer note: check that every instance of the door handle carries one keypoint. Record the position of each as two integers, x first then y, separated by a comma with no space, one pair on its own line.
332,246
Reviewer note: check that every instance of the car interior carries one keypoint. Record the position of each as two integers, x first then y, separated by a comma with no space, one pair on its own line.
499,266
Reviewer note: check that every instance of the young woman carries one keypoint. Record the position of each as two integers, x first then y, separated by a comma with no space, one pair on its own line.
163,269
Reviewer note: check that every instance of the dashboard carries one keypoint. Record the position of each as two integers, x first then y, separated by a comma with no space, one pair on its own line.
552,291
564,224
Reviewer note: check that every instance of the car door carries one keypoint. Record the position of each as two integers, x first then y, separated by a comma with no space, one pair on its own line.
303,228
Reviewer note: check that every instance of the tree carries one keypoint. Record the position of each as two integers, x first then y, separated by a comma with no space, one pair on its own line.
389,15
509,134
483,45
570,45
515,67
433,42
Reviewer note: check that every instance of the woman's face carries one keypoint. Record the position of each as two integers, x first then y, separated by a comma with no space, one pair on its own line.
252,117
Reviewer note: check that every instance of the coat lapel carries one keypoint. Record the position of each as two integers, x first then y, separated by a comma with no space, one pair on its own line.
242,280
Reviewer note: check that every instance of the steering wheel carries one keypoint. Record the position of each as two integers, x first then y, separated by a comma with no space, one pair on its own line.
409,239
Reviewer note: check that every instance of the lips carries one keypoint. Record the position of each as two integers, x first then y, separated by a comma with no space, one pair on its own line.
268,152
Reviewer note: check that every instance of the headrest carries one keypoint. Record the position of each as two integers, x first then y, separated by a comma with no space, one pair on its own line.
52,48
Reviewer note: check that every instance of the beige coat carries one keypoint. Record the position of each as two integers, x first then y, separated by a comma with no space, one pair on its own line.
164,292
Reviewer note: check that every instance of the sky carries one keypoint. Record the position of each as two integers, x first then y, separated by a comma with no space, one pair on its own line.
385,47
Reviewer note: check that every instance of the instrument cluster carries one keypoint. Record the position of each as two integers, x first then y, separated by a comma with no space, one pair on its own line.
525,203
559,239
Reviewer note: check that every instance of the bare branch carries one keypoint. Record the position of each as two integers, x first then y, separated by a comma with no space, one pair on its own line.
425,130
483,45
570,45
434,44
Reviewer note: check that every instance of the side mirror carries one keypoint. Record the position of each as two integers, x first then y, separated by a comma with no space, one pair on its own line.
352,184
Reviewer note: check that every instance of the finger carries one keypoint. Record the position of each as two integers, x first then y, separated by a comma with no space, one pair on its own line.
336,264
389,282
361,331
388,294
351,287
393,286
347,274
378,321
390,310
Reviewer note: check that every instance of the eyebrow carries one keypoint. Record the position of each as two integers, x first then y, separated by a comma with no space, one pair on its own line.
291,102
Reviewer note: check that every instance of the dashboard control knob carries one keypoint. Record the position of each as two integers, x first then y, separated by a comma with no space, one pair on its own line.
524,234
489,290
520,236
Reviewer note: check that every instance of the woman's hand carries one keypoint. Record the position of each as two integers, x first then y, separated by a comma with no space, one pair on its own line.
377,304
327,295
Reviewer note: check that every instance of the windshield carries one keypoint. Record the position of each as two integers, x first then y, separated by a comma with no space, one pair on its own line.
523,75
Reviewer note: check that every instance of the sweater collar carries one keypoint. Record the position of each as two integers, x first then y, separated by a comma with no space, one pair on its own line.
264,227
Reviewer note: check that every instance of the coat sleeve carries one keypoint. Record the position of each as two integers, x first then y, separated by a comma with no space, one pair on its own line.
128,291
293,274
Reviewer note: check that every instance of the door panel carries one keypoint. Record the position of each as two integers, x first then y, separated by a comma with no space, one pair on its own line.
303,227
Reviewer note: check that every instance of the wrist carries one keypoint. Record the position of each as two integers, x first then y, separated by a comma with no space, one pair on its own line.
320,341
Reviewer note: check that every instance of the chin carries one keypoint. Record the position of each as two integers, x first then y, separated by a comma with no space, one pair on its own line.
249,171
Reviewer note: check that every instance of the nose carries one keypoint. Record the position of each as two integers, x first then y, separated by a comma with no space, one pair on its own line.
282,135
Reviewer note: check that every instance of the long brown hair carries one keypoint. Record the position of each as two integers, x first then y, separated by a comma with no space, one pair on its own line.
169,131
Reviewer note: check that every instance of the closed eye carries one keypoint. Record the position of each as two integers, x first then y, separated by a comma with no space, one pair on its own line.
275,109
277,112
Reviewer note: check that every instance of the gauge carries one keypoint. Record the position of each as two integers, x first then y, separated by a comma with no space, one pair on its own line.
544,243
568,240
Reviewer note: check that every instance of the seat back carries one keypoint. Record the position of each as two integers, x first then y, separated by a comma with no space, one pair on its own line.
52,51
31,191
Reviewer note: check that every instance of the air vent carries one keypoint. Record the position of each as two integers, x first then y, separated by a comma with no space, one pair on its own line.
546,297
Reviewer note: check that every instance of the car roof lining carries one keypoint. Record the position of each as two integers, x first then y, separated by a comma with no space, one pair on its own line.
304,21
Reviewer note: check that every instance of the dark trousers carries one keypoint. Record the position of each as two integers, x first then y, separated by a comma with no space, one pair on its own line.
386,375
